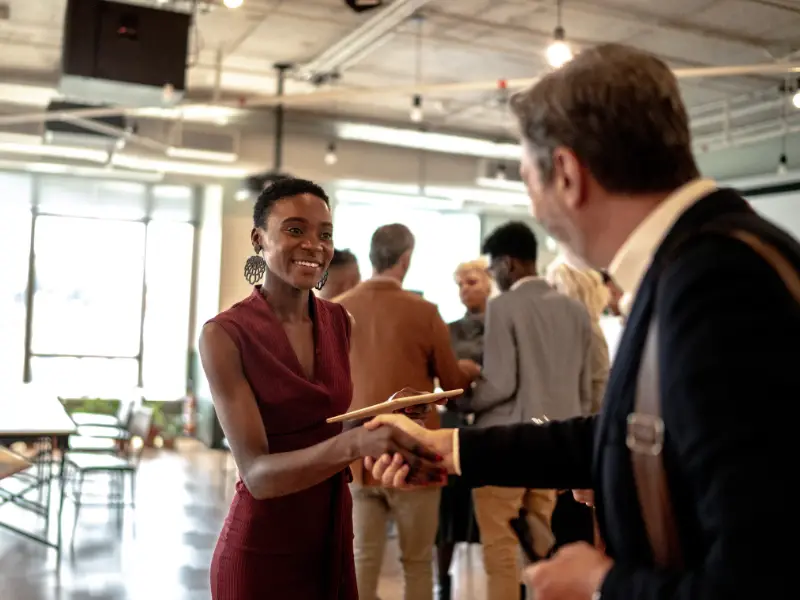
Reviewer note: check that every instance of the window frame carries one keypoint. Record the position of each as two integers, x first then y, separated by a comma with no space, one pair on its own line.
150,191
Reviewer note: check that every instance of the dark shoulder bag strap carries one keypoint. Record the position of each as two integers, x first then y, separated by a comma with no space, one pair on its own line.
646,428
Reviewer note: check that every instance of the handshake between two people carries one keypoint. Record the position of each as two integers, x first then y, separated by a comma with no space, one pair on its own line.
400,452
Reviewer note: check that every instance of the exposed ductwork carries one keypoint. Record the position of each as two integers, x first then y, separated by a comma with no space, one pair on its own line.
370,35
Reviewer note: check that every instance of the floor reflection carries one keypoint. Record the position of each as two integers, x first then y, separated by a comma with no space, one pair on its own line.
163,548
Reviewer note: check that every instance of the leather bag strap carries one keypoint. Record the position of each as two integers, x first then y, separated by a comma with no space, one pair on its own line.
645,433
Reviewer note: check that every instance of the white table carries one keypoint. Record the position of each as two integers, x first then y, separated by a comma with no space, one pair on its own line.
34,415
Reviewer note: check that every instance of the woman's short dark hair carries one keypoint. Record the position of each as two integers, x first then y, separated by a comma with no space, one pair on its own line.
280,189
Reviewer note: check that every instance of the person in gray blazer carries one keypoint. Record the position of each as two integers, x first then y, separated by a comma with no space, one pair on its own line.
537,350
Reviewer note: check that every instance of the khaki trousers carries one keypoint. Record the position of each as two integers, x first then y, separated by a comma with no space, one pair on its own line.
416,513
494,508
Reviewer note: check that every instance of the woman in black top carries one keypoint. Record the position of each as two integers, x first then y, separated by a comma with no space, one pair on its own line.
456,517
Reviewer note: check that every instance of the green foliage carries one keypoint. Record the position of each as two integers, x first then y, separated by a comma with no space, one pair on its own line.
100,406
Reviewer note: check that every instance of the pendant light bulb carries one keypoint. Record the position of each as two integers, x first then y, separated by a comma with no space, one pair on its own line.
796,99
416,115
783,166
331,157
232,3
558,52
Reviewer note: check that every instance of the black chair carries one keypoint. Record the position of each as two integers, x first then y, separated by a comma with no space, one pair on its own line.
81,465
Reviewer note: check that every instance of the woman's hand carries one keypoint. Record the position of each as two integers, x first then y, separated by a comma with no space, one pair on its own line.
413,463
584,496
388,469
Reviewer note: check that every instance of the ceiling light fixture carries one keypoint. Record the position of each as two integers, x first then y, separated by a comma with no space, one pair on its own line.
558,52
140,163
796,99
416,114
232,3
330,156
783,166
432,142
429,202
200,154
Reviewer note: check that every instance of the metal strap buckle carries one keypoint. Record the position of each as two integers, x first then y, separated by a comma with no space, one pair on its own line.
645,434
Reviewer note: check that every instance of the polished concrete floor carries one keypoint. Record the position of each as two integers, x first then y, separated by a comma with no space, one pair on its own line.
162,549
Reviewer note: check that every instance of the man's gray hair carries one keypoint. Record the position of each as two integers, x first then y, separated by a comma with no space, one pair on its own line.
389,243
619,109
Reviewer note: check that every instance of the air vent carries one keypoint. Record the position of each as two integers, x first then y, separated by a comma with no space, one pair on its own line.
199,144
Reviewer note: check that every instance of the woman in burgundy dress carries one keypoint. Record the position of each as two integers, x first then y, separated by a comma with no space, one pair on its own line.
277,363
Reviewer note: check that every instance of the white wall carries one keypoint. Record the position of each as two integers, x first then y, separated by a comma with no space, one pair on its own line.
781,209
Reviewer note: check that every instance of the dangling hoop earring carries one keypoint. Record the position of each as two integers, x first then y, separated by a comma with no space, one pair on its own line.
254,268
321,282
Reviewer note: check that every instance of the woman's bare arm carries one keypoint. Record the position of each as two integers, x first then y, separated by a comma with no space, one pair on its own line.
272,475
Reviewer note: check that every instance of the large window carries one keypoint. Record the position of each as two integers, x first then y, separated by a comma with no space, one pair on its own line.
15,231
112,267
443,240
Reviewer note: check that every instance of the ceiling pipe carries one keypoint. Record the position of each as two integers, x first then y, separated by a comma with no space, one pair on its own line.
336,95
362,40
743,136
731,114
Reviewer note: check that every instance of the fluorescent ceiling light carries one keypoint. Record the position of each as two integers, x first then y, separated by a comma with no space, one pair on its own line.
434,142
376,198
378,186
67,152
139,163
220,115
493,183
482,196
89,172
197,154
28,95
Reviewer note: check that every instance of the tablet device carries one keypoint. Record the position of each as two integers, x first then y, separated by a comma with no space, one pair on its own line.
391,406
11,463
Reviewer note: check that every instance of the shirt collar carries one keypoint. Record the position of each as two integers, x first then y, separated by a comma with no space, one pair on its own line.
522,281
633,258
385,279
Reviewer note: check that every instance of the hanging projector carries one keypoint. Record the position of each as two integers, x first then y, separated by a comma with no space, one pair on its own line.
363,5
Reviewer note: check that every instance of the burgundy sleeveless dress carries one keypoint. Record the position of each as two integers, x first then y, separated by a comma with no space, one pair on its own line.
300,546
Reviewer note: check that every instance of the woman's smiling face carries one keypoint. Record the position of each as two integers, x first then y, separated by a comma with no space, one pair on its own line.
297,240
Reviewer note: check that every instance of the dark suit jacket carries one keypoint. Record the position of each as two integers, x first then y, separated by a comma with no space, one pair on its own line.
729,343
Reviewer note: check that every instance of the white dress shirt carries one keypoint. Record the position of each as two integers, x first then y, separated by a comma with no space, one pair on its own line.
634,256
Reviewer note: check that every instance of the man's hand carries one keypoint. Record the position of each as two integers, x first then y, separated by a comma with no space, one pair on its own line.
576,572
584,496
388,471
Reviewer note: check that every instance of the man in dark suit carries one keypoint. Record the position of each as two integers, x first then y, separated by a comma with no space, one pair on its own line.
609,168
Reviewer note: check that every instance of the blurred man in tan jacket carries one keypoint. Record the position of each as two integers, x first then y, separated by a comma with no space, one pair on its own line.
399,341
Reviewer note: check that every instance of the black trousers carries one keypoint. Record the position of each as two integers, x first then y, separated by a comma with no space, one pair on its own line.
572,521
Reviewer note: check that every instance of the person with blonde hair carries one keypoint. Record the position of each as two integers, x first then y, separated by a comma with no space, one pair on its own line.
572,521
587,287
456,514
